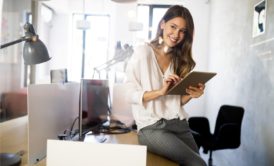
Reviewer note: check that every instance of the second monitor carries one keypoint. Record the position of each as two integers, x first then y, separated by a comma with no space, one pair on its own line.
94,104
95,109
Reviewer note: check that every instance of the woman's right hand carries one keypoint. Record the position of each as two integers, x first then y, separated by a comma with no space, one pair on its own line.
168,82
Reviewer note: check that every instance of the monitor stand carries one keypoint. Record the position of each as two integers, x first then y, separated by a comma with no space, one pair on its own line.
113,126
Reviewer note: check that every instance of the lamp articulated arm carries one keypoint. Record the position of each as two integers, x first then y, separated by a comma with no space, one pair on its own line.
29,35
12,43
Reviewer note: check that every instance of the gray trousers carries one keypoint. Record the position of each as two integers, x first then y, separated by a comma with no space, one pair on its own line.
172,139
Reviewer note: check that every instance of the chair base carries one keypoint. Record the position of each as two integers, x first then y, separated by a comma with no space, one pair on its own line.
210,161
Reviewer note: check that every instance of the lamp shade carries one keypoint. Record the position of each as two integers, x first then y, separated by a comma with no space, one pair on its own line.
35,52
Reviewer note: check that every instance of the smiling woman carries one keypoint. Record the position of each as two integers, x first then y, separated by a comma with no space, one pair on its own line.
160,118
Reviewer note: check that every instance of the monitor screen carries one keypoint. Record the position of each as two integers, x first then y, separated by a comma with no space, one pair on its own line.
94,104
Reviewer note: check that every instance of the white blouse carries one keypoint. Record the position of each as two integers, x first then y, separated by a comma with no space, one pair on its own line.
144,74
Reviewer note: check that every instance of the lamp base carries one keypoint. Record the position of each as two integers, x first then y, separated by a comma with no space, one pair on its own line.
10,159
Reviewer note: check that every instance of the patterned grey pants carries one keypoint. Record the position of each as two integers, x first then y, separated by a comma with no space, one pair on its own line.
172,139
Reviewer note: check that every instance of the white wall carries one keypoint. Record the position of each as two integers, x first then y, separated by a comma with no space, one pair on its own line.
1,6
200,12
245,78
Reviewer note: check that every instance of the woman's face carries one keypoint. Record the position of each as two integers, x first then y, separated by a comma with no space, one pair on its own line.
173,31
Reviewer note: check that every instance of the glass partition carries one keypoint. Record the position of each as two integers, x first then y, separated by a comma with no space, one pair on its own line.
14,14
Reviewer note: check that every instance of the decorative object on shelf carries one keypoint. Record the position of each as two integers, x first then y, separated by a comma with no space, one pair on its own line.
259,18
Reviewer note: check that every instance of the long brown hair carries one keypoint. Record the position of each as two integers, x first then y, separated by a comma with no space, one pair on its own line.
181,57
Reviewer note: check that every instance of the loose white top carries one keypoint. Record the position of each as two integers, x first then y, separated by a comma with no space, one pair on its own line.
144,74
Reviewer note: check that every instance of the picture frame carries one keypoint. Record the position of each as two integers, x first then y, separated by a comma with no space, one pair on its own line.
259,18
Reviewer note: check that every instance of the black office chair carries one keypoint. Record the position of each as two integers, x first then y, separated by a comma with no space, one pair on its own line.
227,133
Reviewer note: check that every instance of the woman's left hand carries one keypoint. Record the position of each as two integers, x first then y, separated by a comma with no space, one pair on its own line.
195,92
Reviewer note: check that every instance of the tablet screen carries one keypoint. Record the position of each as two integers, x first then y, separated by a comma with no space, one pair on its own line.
192,79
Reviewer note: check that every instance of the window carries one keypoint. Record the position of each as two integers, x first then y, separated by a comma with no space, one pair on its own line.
149,16
90,42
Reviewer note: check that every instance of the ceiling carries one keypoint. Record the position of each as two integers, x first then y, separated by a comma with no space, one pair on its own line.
65,6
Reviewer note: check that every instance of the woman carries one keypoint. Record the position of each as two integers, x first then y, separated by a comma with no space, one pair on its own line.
154,67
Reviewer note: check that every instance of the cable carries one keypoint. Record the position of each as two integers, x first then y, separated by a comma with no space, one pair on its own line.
68,134
71,128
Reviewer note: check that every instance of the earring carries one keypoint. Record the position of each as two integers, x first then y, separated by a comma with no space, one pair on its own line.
166,49
160,40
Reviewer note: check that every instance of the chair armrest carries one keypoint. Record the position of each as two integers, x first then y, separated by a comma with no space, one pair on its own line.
199,125
201,131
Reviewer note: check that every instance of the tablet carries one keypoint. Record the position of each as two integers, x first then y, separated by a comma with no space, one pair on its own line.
192,79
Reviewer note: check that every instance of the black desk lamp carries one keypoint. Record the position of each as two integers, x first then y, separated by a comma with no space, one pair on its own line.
121,55
34,52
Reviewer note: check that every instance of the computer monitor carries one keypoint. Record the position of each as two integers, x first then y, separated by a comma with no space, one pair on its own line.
94,104
52,108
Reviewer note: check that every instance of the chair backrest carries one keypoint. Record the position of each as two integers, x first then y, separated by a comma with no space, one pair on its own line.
228,125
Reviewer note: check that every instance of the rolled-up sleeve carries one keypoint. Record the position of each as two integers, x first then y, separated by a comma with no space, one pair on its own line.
134,92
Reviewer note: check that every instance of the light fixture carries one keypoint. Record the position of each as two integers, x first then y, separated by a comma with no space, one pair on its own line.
83,24
124,1
34,51
135,26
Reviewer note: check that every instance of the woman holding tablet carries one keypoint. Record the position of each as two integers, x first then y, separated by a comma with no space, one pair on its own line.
154,67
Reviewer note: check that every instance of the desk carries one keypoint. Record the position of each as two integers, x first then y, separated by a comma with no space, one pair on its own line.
13,138
131,138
